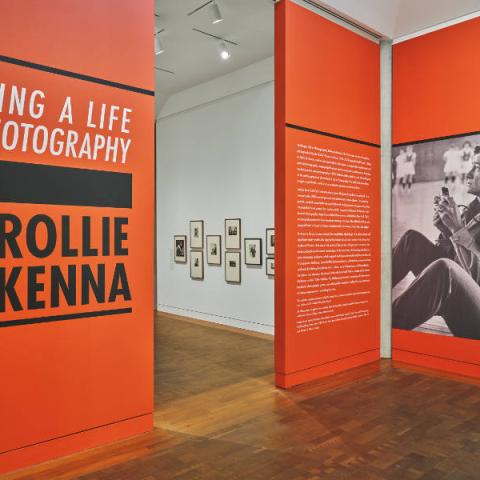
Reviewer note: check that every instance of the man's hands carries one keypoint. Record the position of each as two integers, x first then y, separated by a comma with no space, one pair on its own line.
437,222
447,212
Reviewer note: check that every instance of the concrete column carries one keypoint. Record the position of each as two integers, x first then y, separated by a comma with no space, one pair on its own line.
386,175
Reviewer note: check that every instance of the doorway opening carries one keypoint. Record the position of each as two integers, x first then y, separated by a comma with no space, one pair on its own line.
214,73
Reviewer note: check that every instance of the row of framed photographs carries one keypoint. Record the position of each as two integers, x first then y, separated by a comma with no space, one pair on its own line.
232,236
253,250
232,266
253,246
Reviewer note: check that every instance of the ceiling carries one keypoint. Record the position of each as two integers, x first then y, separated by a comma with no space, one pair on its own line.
194,58
396,18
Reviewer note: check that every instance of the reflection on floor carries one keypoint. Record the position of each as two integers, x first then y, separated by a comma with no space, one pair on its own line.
219,417
414,210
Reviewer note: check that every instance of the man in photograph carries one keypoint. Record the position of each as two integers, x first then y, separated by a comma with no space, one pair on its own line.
447,272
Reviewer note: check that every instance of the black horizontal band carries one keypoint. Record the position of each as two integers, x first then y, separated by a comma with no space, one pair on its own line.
332,135
59,318
78,76
426,140
49,185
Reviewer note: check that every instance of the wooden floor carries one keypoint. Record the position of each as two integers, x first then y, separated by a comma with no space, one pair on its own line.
220,417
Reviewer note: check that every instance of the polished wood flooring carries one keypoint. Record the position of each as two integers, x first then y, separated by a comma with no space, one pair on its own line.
219,417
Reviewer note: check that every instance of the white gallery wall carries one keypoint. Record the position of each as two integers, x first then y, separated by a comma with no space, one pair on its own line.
215,160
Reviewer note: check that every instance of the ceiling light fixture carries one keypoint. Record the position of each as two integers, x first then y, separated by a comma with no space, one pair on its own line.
223,43
159,48
224,53
215,13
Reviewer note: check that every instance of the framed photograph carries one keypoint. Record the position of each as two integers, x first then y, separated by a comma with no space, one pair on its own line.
232,234
270,266
232,267
180,248
214,249
196,264
270,241
196,234
253,251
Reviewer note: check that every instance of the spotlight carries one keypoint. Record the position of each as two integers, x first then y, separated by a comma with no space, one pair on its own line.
215,13
158,45
224,53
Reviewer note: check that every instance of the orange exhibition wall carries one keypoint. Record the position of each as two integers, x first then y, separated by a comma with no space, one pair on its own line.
327,197
76,226
435,99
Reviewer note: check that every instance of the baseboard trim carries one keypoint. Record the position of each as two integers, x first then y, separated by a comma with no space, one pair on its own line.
209,324
74,443
438,364
289,380
229,321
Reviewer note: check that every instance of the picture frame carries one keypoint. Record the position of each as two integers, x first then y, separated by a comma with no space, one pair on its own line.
180,248
270,266
196,234
196,264
232,267
253,251
270,241
214,249
233,233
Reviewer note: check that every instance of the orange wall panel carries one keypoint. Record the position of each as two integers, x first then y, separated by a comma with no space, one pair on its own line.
109,39
327,132
332,77
75,376
435,94
435,80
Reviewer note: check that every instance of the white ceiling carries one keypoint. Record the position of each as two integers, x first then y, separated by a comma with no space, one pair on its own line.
396,18
414,15
194,57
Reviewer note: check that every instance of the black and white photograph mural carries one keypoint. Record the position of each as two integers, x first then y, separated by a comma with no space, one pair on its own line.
436,237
